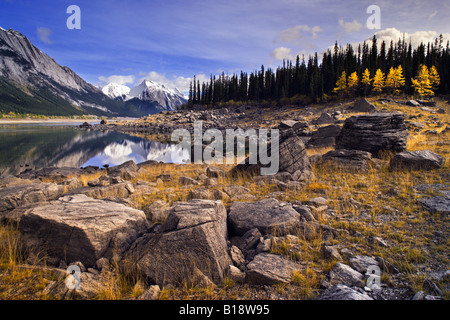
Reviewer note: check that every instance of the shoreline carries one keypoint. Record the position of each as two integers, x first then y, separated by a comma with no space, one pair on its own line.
58,120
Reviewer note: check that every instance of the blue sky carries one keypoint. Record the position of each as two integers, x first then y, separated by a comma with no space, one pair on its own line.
170,40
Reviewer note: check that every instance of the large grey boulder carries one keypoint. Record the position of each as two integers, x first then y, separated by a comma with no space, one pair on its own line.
362,263
127,170
267,268
28,195
192,244
268,215
293,159
79,228
348,160
324,136
362,105
416,160
325,118
374,133
342,292
344,274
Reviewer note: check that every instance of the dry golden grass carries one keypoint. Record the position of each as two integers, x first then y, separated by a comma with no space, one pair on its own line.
378,203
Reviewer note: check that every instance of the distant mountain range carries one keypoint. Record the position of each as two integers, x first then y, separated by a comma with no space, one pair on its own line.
146,92
33,82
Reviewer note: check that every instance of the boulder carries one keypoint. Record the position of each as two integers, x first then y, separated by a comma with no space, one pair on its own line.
127,170
200,193
214,172
362,263
362,105
236,192
79,228
186,181
374,133
286,124
292,159
119,190
325,118
416,160
268,215
324,136
438,203
348,160
343,274
157,211
54,174
342,292
267,269
28,195
412,103
192,244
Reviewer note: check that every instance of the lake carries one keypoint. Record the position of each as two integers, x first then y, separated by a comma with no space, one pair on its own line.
39,145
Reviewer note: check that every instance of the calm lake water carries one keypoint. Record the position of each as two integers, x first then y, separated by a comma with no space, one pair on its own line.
41,145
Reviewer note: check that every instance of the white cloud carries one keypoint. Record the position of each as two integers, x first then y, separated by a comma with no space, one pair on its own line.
181,83
350,26
281,53
44,35
431,16
122,80
296,33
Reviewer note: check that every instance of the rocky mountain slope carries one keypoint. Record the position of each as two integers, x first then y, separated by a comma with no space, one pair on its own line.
33,82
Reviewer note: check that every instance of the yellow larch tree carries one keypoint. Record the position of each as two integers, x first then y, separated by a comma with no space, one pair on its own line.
421,83
341,84
395,80
366,80
435,80
378,81
352,83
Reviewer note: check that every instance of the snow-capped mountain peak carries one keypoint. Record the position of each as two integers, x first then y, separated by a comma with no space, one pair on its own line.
148,91
116,91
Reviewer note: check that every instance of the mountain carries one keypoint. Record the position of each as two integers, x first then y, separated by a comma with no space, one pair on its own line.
33,82
116,91
148,95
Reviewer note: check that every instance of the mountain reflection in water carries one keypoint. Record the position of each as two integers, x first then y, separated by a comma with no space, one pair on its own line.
36,146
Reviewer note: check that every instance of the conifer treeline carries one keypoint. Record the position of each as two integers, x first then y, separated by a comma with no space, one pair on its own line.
308,81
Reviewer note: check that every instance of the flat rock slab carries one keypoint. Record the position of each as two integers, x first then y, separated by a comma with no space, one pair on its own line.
268,216
28,195
267,268
119,190
342,292
348,160
79,228
417,160
192,243
437,204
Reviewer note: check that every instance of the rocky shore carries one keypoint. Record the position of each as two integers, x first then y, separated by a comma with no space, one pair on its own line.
336,224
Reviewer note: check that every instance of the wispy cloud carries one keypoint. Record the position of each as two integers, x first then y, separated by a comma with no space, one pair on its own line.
123,80
296,33
281,53
433,14
44,34
352,26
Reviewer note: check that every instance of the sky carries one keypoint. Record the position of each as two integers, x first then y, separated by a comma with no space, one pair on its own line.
170,41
